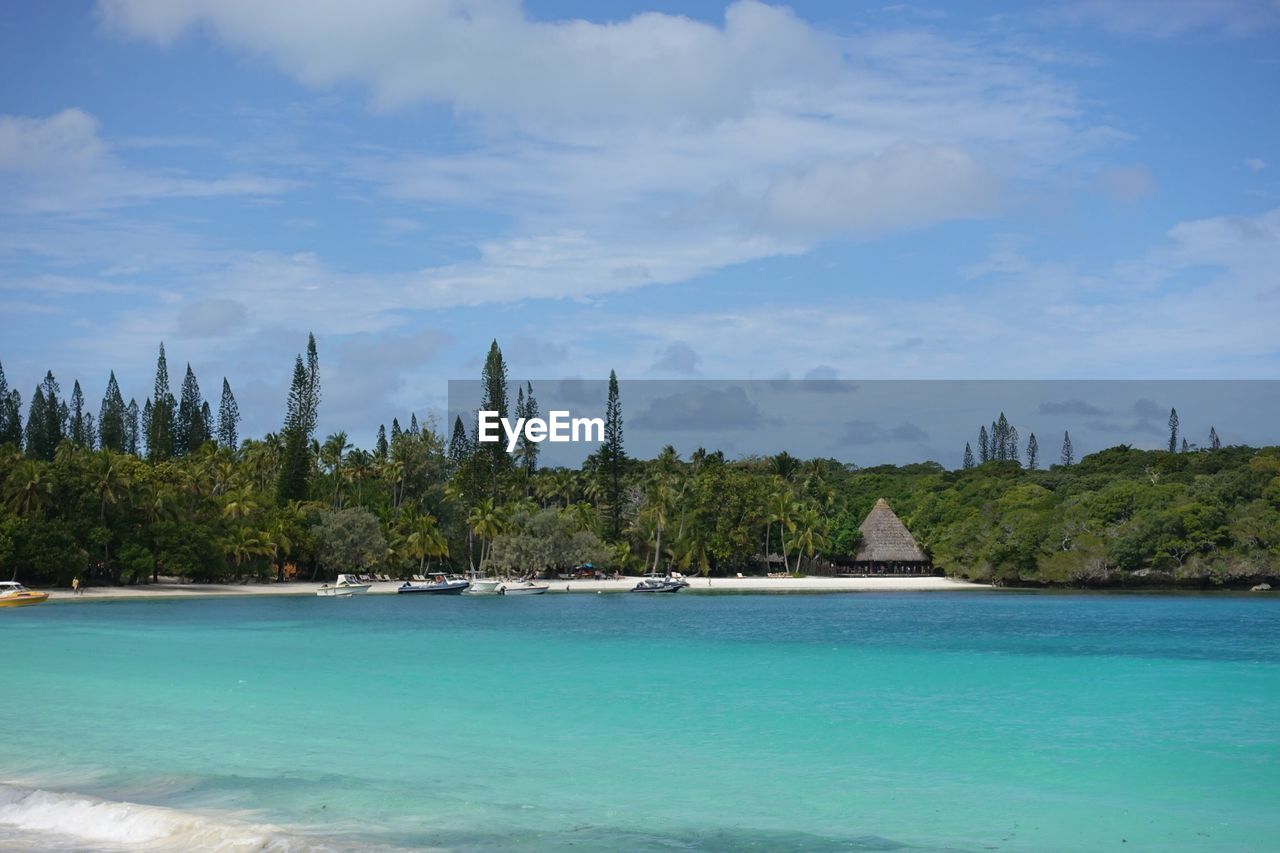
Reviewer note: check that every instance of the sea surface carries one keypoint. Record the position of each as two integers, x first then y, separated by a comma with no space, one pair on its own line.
953,721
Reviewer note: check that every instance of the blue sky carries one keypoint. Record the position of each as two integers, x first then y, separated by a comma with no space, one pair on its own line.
674,190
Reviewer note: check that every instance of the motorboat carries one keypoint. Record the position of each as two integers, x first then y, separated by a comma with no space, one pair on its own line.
486,586
344,586
659,585
14,594
525,588
440,584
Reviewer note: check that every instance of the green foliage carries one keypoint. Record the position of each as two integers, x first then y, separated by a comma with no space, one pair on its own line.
350,540
545,541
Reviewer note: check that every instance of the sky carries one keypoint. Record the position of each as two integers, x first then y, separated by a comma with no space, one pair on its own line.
675,190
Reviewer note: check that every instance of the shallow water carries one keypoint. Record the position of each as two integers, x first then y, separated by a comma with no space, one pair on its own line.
969,721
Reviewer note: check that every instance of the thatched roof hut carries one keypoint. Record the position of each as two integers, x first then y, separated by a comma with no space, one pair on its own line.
887,545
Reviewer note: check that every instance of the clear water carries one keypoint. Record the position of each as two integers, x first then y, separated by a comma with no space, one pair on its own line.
969,721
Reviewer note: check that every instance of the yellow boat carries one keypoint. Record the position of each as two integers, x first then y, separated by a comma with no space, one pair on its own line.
14,594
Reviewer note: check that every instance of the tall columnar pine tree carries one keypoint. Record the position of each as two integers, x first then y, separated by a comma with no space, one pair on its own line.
228,418
80,424
35,427
529,449
1033,452
1214,442
312,410
984,445
380,448
1185,445
131,429
1173,430
613,458
1068,452
493,381
295,462
1001,436
1013,446
190,423
10,413
148,415
968,456
459,445
206,422
46,419
396,432
111,417
160,425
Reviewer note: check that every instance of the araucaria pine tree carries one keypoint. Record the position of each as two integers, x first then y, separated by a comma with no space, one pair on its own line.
984,445
613,458
131,429
10,413
968,456
80,424
1068,452
1033,452
228,418
160,425
148,414
1215,443
111,417
381,448
46,419
1173,430
190,424
413,423
493,382
459,444
527,450
295,461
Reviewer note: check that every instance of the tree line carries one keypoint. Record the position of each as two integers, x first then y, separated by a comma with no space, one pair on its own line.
172,489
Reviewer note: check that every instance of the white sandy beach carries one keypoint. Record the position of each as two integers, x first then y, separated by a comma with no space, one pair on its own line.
749,584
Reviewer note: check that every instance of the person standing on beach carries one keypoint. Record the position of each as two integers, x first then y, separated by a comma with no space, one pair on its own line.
75,586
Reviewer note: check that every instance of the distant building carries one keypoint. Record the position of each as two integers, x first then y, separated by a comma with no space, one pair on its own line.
887,547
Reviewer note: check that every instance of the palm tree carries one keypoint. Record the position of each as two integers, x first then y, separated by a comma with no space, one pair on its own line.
240,504
425,540
29,489
486,522
810,536
106,477
241,544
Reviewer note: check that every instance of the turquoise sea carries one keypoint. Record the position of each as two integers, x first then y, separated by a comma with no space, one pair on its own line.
958,721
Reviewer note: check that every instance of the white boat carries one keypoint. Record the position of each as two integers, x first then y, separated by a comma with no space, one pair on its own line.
485,586
345,585
440,584
525,588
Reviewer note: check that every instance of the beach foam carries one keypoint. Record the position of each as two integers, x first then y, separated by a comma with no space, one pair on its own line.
80,818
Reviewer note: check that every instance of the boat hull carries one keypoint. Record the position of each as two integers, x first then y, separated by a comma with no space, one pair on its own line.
531,589
434,589
341,591
25,599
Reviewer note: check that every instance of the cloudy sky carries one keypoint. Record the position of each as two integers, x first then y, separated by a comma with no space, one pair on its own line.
833,190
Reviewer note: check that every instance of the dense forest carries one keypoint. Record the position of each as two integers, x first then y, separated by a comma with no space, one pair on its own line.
170,489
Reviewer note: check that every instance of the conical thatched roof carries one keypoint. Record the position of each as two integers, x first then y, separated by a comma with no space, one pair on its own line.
885,539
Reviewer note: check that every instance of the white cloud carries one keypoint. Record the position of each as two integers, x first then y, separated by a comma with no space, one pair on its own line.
60,164
763,126
1257,164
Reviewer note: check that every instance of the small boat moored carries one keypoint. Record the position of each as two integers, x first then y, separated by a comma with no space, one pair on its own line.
344,586
525,588
440,584
659,585
14,594
485,586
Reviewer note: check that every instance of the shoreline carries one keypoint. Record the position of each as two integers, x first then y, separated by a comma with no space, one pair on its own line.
696,585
